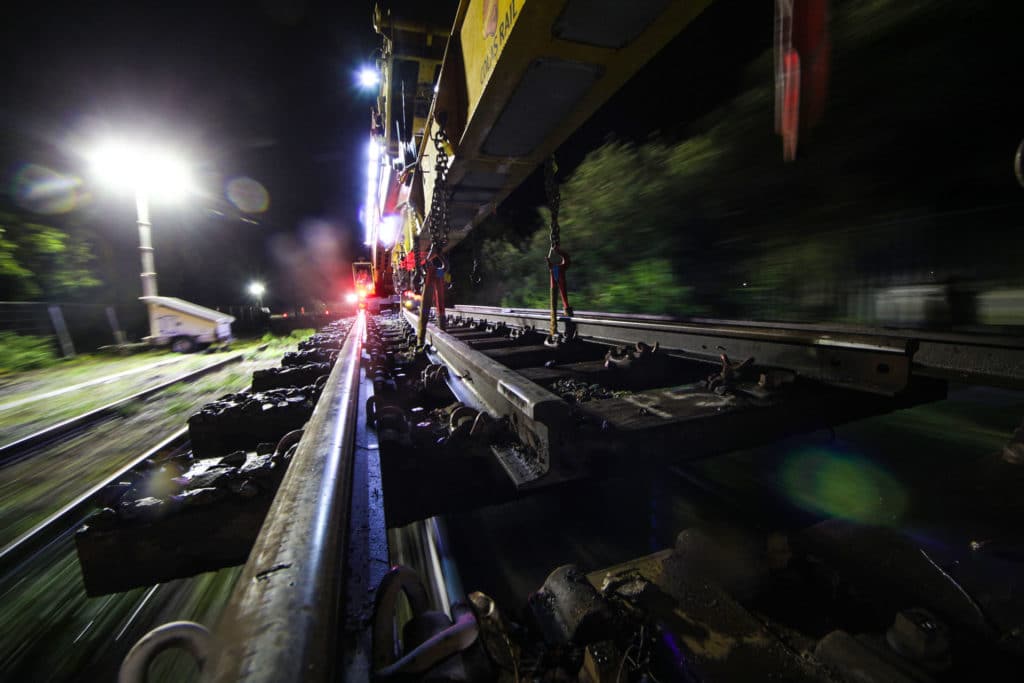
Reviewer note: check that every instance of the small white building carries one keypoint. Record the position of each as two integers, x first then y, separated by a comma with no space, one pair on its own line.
185,325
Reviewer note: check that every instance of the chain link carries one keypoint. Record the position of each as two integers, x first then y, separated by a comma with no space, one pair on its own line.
554,199
438,224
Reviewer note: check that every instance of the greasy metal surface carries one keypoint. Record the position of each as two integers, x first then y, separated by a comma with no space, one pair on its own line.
506,393
282,621
720,640
979,358
367,557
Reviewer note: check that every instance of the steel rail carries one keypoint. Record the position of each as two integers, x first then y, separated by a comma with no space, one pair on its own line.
536,414
977,358
12,450
864,363
281,623
68,517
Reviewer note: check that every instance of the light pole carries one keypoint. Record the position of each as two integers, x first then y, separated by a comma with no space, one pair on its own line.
146,171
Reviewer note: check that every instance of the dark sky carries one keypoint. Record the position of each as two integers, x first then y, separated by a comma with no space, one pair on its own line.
263,89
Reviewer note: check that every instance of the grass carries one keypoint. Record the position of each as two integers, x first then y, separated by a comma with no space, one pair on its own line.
48,612
179,405
19,353
293,338
129,409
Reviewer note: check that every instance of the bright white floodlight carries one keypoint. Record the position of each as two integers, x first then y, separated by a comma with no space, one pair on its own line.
257,289
368,77
141,169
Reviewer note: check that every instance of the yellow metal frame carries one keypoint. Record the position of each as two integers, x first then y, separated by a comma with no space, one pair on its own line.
480,73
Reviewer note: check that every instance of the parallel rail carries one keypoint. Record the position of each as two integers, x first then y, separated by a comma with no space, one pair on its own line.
16,449
69,517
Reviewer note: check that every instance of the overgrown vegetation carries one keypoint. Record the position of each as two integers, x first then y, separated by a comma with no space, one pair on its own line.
40,261
293,337
18,352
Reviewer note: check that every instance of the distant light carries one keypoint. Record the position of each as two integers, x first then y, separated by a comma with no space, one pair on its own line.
370,209
257,288
368,77
141,167
351,298
388,228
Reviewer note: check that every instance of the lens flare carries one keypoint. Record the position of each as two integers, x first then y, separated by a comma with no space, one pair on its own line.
843,485
248,195
43,190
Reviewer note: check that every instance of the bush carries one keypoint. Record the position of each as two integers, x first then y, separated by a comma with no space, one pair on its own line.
19,352
293,337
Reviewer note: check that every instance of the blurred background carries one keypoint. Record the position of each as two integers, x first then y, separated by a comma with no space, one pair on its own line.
901,208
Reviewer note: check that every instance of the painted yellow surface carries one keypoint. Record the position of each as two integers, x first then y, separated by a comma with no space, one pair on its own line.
484,33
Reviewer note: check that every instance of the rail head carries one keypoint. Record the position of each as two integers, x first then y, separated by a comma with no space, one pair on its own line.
281,621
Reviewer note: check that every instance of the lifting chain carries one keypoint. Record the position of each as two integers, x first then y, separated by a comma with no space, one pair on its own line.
398,272
474,275
435,268
439,201
557,260
554,200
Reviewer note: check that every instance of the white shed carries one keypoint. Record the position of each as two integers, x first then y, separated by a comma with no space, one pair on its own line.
185,325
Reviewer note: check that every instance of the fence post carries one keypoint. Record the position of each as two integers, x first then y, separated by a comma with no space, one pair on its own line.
114,326
57,318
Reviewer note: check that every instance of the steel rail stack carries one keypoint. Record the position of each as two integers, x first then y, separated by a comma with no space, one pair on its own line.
994,359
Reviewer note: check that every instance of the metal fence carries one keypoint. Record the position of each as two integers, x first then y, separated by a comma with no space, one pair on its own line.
79,328
73,328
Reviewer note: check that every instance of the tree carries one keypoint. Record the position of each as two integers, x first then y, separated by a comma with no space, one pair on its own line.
42,261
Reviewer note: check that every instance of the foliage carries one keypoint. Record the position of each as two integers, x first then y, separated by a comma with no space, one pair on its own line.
42,261
18,352
290,339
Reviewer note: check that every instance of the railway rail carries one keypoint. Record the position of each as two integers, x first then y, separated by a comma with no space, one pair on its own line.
71,516
22,447
43,554
488,413
434,453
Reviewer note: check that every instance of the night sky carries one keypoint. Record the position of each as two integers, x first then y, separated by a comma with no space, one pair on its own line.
262,89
